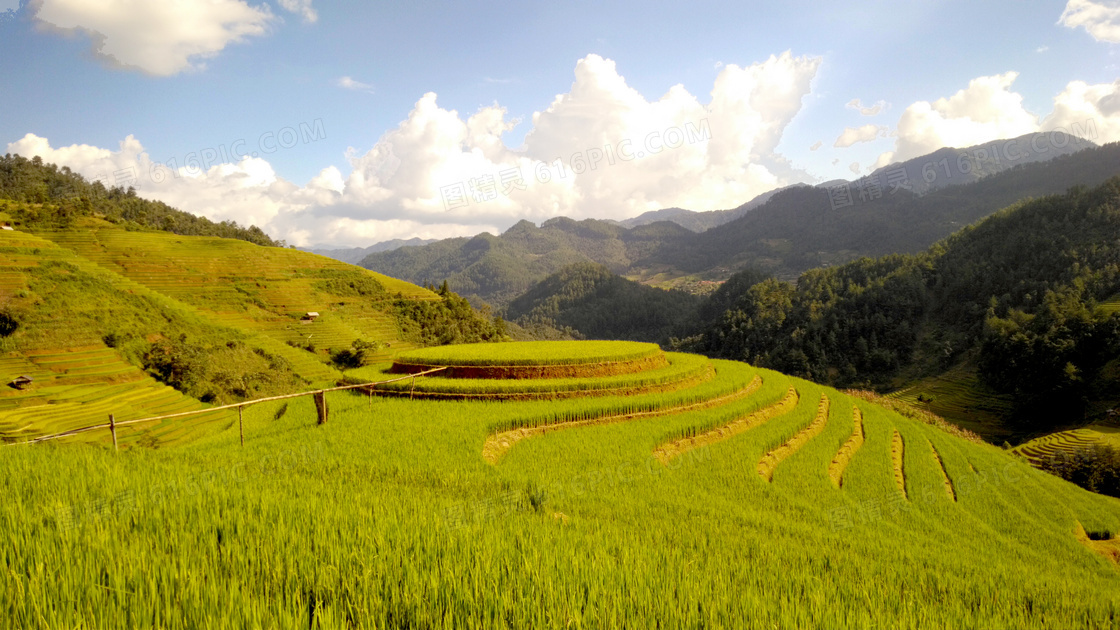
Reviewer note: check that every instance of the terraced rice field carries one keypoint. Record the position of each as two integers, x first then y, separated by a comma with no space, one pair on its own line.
79,388
1111,305
958,396
523,360
681,370
745,499
1064,444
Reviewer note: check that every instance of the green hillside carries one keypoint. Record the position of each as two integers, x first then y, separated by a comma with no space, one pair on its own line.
588,298
497,269
103,319
745,499
1000,319
107,315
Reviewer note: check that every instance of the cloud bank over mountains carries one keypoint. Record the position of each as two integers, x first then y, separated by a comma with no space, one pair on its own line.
601,149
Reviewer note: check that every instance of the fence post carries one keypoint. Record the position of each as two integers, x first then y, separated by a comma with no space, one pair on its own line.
321,406
411,387
241,424
113,430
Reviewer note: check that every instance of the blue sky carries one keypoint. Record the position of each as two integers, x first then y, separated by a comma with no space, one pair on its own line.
351,148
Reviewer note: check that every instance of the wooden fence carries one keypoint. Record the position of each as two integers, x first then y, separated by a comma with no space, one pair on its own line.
320,409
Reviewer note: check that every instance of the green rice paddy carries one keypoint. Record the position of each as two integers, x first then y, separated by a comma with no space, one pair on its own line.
686,493
391,515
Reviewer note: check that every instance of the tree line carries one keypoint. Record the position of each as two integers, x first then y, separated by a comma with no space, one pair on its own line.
45,196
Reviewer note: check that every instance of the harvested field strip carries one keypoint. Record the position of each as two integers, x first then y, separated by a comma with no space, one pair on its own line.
897,451
848,450
524,372
666,452
497,444
944,474
771,460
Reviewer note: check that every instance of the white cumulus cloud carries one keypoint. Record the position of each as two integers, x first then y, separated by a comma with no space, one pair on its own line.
988,110
1101,18
159,37
301,7
855,135
868,110
1087,111
351,84
600,150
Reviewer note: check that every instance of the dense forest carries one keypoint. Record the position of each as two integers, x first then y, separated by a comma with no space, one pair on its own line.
588,298
1017,295
38,195
449,320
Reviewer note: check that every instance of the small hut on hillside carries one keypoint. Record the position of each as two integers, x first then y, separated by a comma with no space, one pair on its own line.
21,382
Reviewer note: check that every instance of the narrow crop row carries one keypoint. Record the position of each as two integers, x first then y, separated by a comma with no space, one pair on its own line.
728,427
732,382
944,474
771,460
898,447
840,462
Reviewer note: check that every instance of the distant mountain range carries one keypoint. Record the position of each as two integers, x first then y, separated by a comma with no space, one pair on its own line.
793,230
354,255
1020,310
944,167
700,221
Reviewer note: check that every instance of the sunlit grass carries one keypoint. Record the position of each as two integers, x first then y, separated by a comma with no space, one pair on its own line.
387,516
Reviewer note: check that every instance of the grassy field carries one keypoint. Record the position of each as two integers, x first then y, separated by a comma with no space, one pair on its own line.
717,506
1111,305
